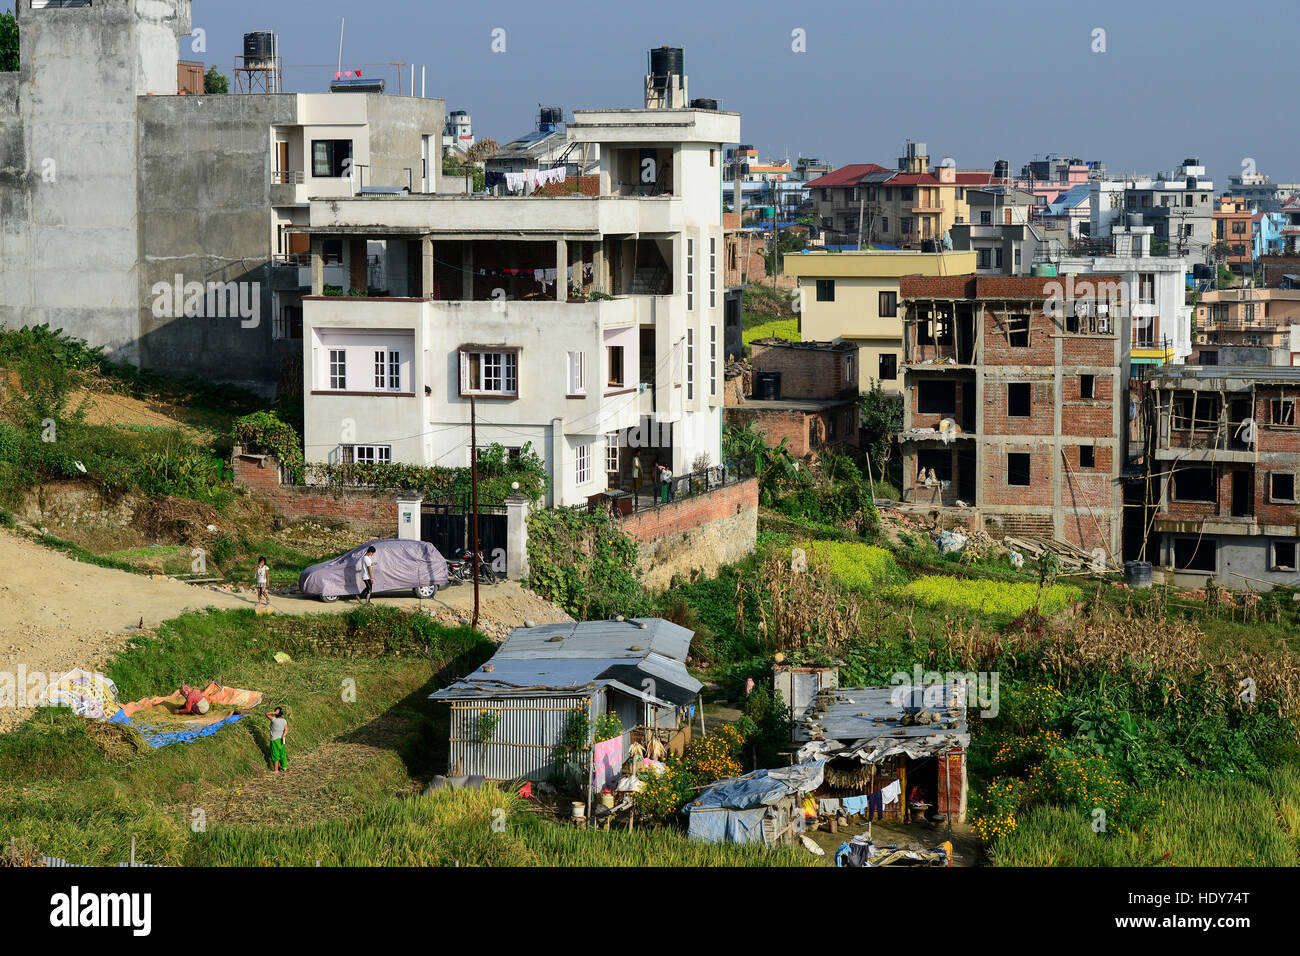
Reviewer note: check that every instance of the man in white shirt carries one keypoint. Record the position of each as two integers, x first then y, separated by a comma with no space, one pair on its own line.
368,572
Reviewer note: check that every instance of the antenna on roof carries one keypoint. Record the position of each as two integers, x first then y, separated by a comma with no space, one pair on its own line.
341,24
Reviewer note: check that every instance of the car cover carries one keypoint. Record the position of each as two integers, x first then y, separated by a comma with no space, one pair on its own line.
400,565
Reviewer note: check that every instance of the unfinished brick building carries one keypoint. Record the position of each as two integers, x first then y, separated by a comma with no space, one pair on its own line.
1015,406
1224,461
812,402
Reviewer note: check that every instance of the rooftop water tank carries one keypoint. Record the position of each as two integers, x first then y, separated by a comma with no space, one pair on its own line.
1042,270
259,47
666,61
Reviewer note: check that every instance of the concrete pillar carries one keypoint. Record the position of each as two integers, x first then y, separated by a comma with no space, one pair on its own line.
599,265
517,508
467,270
426,280
559,463
561,270
408,517
317,265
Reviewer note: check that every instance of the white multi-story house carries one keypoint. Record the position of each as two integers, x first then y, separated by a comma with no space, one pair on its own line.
1156,289
586,326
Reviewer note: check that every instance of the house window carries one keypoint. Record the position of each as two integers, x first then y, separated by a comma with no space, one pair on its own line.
614,359
1020,400
1147,288
288,324
1194,484
690,275
1087,456
611,452
367,454
848,369
1194,554
998,256
489,373
1282,411
388,370
986,217
1018,332
690,364
713,360
713,272
1281,486
884,221
1087,386
1284,556
338,369
1018,469
888,304
825,290
888,367
577,373
582,464
331,158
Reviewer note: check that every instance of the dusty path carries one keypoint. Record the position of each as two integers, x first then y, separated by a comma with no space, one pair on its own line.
57,613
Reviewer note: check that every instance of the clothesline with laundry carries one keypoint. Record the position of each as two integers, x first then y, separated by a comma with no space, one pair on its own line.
873,804
527,178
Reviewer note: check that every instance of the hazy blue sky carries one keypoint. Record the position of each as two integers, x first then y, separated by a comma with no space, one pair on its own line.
974,80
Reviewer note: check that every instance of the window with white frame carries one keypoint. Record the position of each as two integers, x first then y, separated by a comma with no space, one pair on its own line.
582,463
713,271
338,369
577,373
690,364
611,452
388,370
366,454
489,372
713,360
690,275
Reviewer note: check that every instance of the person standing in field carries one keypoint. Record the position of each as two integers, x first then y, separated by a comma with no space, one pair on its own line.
279,731
368,572
262,578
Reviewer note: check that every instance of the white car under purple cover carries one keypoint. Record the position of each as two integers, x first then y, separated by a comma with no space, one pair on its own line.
399,565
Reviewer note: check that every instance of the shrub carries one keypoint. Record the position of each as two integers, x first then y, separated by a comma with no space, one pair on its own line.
858,565
995,598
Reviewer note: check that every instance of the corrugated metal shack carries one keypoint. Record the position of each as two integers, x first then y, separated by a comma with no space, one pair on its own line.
634,668
873,736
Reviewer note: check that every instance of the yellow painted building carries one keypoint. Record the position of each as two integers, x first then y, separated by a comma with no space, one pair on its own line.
853,296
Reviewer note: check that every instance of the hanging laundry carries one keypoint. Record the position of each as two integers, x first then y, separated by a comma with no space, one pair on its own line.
855,804
890,794
829,805
514,181
875,805
493,179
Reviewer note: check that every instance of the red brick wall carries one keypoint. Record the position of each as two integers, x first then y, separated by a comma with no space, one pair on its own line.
685,514
809,373
998,492
932,419
1042,406
358,507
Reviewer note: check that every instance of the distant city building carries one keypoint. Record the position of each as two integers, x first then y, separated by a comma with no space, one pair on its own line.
1258,189
458,133
1178,205
911,207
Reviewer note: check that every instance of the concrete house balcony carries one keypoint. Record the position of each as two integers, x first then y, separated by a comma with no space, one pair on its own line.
509,216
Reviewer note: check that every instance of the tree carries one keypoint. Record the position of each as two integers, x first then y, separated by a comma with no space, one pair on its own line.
8,43
214,81
483,150
881,418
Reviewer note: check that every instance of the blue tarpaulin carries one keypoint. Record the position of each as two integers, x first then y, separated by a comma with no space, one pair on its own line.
156,736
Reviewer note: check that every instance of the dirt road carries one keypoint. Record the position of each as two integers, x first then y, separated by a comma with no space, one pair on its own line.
57,614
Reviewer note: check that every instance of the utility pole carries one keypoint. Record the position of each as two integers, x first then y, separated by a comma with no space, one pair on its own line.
473,486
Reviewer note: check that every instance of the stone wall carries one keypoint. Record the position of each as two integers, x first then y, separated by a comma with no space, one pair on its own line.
695,534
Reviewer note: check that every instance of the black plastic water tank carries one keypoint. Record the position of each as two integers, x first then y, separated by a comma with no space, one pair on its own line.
666,61
259,45
1137,574
767,385
704,103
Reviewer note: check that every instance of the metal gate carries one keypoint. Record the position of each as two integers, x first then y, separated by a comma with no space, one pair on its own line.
447,525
